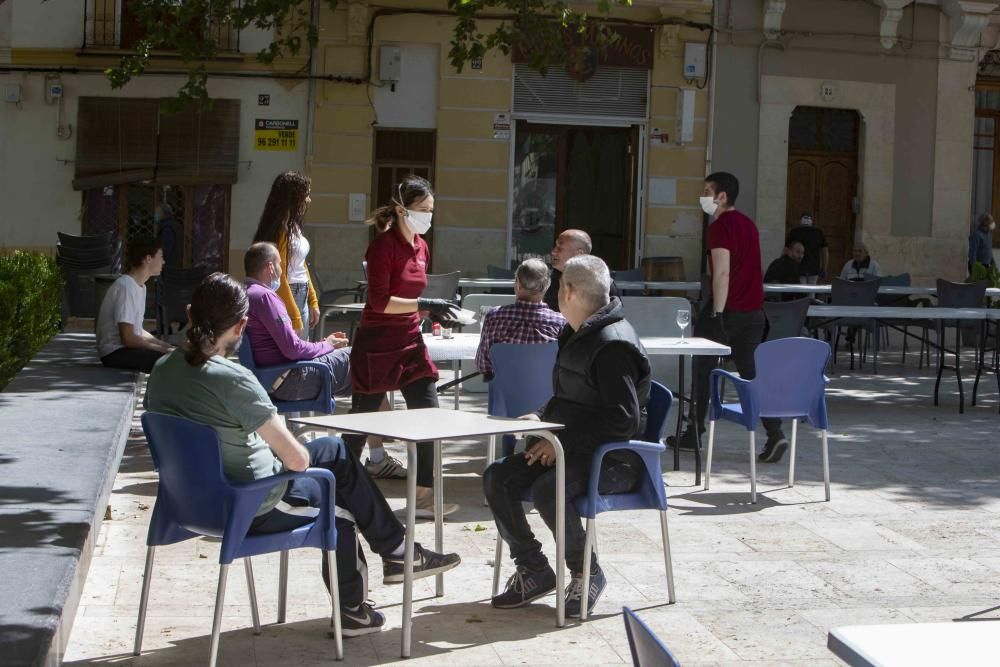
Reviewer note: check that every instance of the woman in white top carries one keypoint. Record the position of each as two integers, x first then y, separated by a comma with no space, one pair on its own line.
281,224
862,266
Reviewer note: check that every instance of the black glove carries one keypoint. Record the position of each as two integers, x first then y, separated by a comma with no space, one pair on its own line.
442,311
720,333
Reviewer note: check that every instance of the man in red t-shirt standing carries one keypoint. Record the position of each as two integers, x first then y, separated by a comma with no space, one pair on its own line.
733,314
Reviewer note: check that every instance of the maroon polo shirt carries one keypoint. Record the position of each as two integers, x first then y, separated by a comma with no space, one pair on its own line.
738,234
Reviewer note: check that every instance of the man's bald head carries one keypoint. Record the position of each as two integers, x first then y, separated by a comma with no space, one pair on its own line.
569,244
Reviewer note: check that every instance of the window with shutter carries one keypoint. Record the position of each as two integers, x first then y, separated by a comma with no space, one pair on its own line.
199,146
115,141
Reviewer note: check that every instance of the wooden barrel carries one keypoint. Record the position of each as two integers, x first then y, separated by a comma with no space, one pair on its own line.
665,269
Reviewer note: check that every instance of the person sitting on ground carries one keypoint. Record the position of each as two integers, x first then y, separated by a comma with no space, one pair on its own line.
602,380
121,340
570,243
786,269
274,341
200,384
527,321
862,266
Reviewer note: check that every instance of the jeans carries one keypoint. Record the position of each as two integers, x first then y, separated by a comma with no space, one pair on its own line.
302,384
300,292
741,331
420,393
132,358
506,480
355,493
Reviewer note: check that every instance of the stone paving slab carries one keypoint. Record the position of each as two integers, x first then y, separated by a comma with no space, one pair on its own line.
912,534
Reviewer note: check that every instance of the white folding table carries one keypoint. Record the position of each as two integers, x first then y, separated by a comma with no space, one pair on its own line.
460,347
967,643
437,424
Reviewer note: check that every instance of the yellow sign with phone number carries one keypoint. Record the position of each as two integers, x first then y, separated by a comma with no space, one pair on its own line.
275,135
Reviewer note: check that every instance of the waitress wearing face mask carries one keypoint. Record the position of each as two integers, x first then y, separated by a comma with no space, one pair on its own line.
389,352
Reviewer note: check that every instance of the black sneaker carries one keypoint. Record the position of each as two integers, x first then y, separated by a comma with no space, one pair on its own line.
688,440
362,621
774,449
525,586
574,592
425,564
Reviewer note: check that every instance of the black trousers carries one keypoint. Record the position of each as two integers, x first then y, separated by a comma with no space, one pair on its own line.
420,393
742,332
505,482
357,494
132,358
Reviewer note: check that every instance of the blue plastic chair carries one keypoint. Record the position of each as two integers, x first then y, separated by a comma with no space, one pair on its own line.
522,381
195,499
789,384
647,649
266,375
649,494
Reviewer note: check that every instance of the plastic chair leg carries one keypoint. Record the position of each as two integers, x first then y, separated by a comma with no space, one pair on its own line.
791,453
708,455
220,598
252,590
826,466
496,565
668,562
282,586
491,456
588,548
143,600
338,637
753,467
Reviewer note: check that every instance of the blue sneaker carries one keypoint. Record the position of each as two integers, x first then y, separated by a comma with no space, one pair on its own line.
574,592
524,587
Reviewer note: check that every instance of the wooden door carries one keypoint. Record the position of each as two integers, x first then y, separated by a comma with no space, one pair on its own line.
823,176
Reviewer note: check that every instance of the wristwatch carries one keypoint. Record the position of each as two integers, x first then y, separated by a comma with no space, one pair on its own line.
716,314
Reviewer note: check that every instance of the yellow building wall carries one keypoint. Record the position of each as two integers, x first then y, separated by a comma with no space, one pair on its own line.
472,169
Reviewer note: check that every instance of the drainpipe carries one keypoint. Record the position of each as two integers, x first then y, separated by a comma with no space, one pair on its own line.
314,11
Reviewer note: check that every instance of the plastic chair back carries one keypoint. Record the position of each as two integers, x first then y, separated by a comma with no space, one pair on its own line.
193,494
266,375
522,382
785,319
101,240
790,382
647,649
498,272
853,293
626,276
960,295
898,300
899,280
442,285
649,492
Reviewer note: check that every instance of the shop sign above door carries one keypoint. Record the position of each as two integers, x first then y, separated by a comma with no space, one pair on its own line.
631,46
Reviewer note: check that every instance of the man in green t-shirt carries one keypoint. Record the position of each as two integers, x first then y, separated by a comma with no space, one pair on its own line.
202,385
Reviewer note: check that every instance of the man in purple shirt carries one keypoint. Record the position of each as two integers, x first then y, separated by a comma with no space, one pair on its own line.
274,341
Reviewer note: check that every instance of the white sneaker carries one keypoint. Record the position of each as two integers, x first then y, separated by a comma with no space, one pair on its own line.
388,468
425,505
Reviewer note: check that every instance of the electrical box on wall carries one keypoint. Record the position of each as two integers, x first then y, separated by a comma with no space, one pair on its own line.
390,63
685,116
12,92
695,54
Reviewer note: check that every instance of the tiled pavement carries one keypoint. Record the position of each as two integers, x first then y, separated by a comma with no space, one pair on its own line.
912,534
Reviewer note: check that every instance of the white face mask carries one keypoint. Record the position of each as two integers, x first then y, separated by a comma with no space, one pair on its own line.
418,221
708,205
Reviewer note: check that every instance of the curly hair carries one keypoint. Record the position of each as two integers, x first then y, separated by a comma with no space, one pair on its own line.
411,190
286,204
217,304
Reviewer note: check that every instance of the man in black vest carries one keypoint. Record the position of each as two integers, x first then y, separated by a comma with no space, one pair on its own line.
601,386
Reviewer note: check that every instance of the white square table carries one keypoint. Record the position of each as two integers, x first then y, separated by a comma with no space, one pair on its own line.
437,424
460,347
968,643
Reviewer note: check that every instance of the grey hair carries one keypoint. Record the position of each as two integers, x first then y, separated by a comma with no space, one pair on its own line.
533,276
591,279
983,219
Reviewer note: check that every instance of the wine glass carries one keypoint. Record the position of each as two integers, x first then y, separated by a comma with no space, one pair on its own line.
683,320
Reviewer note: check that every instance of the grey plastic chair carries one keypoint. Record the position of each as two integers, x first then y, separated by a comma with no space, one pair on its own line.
498,272
855,293
628,275
442,286
785,319
960,295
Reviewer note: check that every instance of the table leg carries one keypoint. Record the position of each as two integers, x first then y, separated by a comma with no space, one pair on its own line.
695,423
680,412
438,513
411,521
560,523
456,366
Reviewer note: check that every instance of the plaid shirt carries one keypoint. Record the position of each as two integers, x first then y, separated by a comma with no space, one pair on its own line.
521,322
